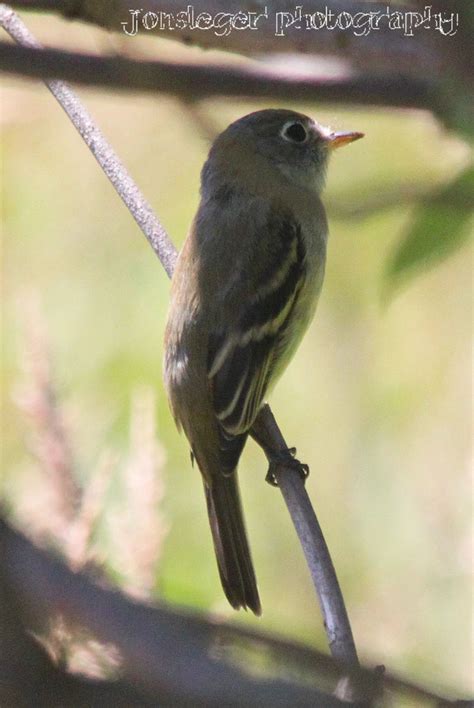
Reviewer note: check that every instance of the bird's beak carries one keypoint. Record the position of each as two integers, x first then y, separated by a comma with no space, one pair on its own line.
337,140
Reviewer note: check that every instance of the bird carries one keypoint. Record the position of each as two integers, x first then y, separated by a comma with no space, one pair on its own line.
243,293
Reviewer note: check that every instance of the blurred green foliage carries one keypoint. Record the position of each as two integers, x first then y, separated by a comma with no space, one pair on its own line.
441,224
376,400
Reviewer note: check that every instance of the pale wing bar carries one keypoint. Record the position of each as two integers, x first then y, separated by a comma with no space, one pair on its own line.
240,362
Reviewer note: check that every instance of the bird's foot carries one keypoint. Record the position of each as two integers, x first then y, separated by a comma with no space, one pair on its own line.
285,458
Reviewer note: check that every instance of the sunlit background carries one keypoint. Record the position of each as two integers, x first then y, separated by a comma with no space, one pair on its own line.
377,400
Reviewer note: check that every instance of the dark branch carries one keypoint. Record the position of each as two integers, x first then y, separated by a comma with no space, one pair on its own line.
383,48
176,657
168,656
193,81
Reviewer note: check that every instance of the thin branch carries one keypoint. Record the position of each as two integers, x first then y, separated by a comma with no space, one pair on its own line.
267,433
100,148
192,81
302,514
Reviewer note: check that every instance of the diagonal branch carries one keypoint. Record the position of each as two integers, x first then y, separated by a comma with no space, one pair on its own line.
175,657
34,585
266,432
103,152
302,515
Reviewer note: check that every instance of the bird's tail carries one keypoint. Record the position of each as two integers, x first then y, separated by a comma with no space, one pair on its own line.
230,542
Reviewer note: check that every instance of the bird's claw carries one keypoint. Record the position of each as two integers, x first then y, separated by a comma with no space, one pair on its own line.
285,458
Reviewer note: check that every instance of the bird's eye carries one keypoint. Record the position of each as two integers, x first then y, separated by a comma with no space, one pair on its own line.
294,132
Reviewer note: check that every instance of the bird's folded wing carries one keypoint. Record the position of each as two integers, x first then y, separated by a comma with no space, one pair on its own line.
242,354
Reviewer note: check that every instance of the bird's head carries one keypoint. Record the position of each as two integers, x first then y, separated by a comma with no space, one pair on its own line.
275,144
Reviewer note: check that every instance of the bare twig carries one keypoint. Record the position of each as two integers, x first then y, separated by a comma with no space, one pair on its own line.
102,151
302,514
267,433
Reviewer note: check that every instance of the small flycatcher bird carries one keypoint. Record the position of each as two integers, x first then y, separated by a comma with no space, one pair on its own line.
243,293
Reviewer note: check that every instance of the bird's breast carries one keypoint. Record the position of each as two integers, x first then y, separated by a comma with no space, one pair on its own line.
306,296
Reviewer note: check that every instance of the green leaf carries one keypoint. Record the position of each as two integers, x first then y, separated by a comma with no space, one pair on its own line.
441,224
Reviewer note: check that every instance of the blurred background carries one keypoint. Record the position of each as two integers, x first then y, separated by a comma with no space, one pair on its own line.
377,400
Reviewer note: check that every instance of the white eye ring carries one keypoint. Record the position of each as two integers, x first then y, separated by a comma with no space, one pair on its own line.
300,133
